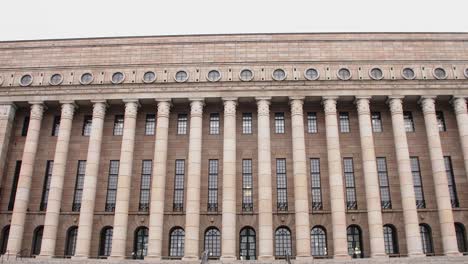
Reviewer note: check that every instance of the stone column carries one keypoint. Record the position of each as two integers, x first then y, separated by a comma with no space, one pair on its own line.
124,184
24,183
158,184
265,207
459,106
54,201
229,233
301,190
335,175
192,211
408,200
444,206
7,115
85,225
374,213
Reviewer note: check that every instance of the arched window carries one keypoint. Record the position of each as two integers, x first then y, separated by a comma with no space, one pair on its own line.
140,245
426,239
318,241
282,242
4,239
355,241
106,241
247,247
213,242
461,237
177,242
390,239
70,245
37,240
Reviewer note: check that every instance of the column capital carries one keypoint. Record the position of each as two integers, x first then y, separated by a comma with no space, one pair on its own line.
131,108
230,107
263,106
7,111
68,109
263,98
427,104
164,108
396,104
291,98
329,104
362,104
196,107
297,105
99,109
459,105
37,109
229,99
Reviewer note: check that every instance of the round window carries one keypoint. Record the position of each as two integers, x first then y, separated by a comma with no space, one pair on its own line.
1,80
246,75
181,76
311,74
279,74
149,77
86,78
376,74
408,73
118,77
344,74
213,76
56,79
26,80
440,73
466,73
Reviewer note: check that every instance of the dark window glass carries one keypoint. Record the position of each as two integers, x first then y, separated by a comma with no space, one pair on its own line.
112,185
56,126
106,241
118,125
281,185
351,201
46,187
417,183
213,185
24,130
37,241
409,123
79,183
318,241
426,239
247,186
283,242
315,184
441,121
87,123
279,123
376,122
177,243
312,122
214,124
182,124
213,242
14,186
179,185
140,247
461,237
70,246
150,124
390,239
145,185
451,182
247,245
246,123
385,199
355,249
344,122
5,236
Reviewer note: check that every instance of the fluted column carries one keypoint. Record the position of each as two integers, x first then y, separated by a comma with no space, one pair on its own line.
459,106
192,211
301,194
54,201
335,176
408,200
374,213
265,207
229,234
7,115
158,185
85,226
25,178
444,206
119,237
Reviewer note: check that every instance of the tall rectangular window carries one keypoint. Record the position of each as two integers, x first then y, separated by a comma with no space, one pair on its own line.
150,124
417,183
312,122
79,183
441,121
24,130
14,185
281,185
279,123
315,183
118,125
213,185
351,200
376,122
451,182
56,126
145,185
182,124
246,123
112,185
409,123
178,204
46,187
247,186
385,199
214,123
87,123
344,122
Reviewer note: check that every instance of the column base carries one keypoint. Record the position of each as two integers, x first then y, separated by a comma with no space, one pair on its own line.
115,258
416,255
44,256
379,255
228,258
153,258
304,258
453,254
266,257
341,256
79,257
190,258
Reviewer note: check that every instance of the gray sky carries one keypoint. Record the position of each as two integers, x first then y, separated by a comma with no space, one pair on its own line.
45,19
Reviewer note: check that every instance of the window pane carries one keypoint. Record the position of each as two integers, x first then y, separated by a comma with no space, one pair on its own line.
344,122
14,186
46,187
88,121
179,185
279,123
246,123
311,122
247,185
182,124
376,122
145,185
315,184
318,240
451,182
441,121
417,183
409,123
79,183
385,199
118,125
56,126
351,200
214,124
112,185
213,242
282,242
213,185
150,125
177,243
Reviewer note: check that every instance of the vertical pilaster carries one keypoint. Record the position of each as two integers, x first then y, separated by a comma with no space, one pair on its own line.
459,107
7,115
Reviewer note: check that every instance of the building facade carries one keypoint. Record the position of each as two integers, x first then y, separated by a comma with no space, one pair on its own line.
244,146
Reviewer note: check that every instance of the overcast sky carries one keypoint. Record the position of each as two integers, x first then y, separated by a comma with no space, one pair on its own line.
46,19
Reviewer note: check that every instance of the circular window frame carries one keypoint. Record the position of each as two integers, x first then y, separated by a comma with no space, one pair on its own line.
439,78
465,72
1,79
118,82
86,83
246,69
208,75
59,82
311,79
407,78
273,74
181,70
372,76
26,84
150,81
344,79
